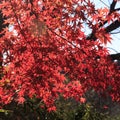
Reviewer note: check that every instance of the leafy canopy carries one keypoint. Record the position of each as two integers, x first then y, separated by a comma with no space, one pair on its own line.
48,54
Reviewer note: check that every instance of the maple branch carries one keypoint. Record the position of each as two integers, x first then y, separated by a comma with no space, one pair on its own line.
112,9
112,26
115,32
117,9
116,23
115,56
112,6
66,40
108,29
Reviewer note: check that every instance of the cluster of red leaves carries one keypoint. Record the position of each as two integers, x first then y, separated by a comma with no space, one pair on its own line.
47,54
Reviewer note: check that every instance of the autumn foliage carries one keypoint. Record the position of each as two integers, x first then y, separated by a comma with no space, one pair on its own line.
48,54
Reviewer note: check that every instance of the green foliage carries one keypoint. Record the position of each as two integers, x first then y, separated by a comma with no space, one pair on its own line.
66,110
117,117
87,112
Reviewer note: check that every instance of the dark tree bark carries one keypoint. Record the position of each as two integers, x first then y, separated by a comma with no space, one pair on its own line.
2,26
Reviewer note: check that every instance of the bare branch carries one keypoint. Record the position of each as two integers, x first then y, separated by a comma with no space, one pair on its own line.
112,6
117,9
112,26
115,56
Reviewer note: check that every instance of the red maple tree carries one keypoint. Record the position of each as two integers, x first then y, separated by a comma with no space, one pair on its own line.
48,54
